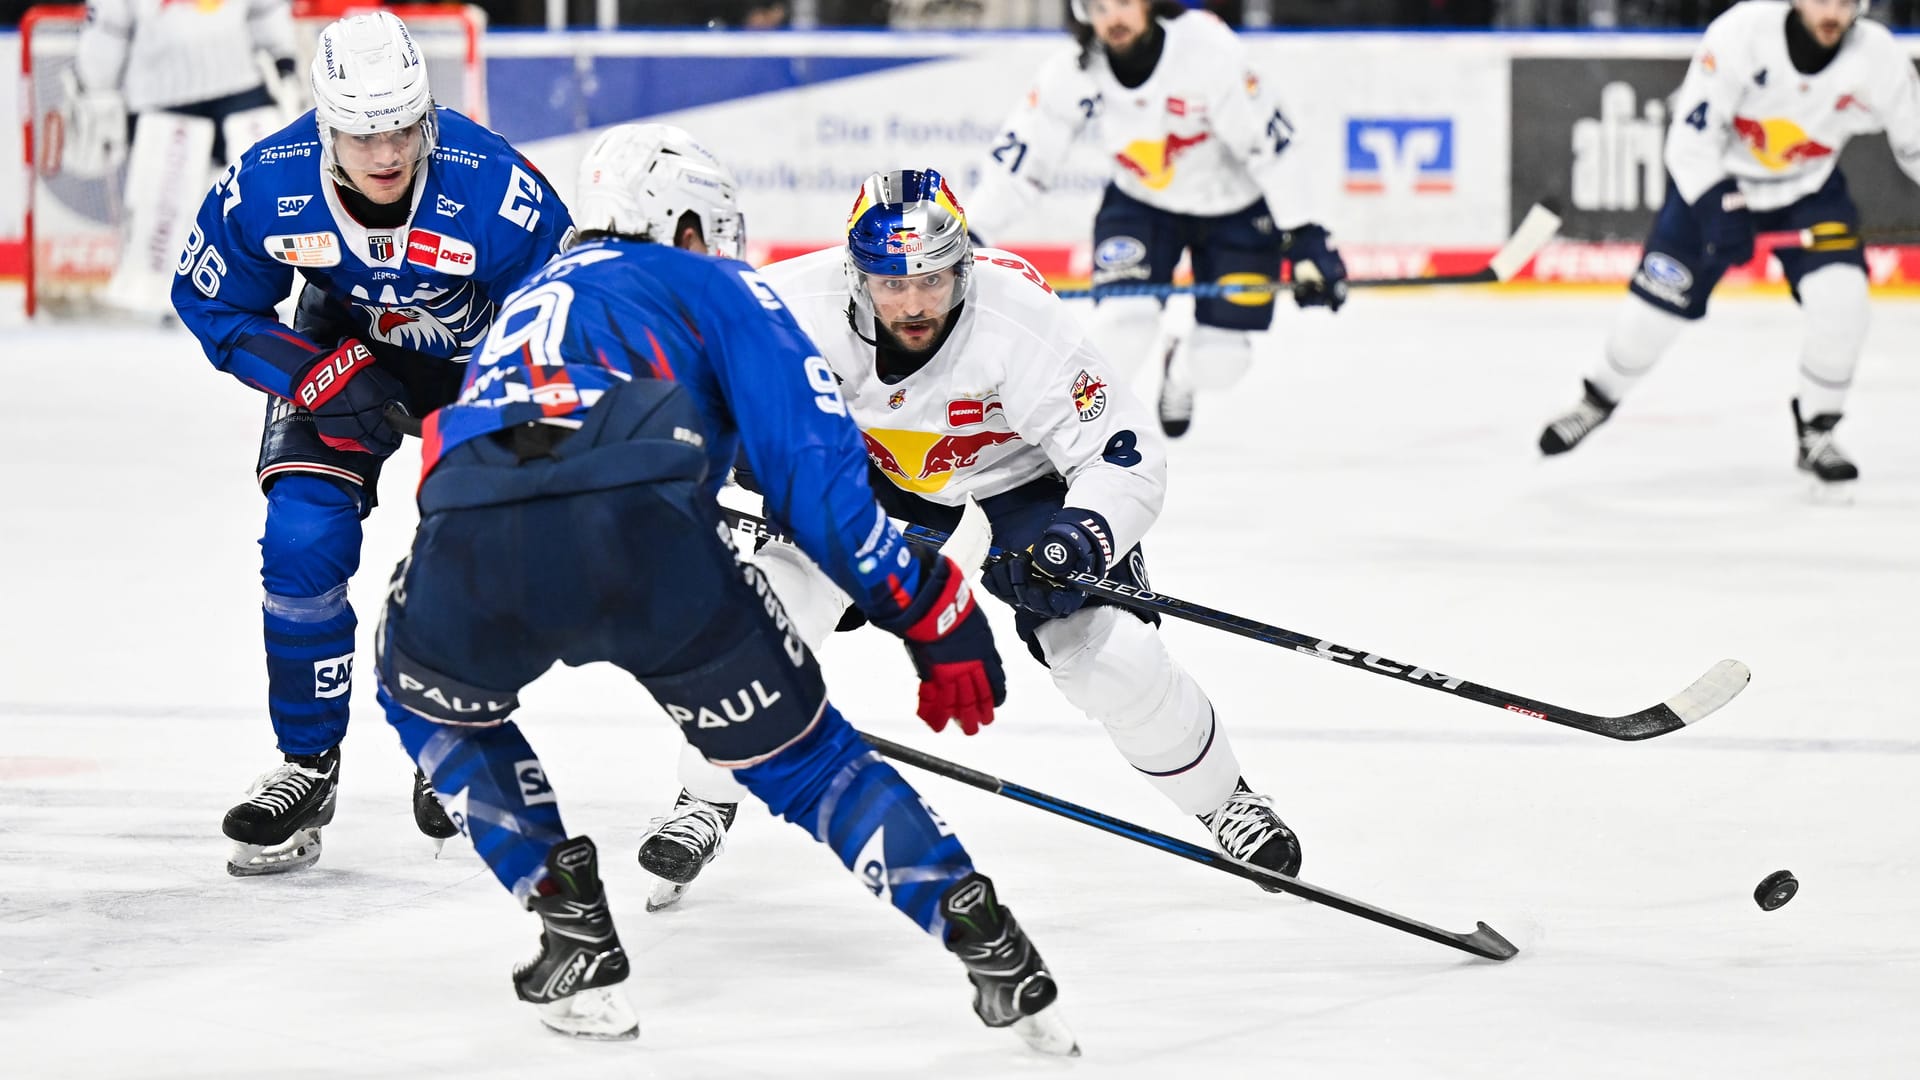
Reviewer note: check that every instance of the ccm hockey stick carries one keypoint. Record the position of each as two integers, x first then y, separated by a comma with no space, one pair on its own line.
1536,230
1701,698
1484,941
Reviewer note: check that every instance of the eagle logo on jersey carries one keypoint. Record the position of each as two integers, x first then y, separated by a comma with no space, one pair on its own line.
1779,144
410,328
938,457
1153,161
1089,396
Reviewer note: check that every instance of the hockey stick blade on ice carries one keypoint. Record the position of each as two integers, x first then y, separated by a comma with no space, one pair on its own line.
1537,229
1705,695
1484,941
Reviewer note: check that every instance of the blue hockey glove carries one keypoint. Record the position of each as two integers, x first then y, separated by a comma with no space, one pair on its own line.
1725,224
1319,273
1075,542
348,397
952,648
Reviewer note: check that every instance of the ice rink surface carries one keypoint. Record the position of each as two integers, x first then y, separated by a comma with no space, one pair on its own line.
1373,481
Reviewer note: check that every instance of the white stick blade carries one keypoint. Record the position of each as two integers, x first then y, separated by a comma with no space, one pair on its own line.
970,540
1721,684
1536,230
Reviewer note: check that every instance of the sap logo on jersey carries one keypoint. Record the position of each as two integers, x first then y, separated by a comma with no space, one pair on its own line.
446,207
291,205
333,677
305,249
442,253
1399,155
534,788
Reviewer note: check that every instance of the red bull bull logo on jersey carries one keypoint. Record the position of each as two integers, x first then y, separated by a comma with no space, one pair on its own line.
1089,396
1153,161
924,462
1779,144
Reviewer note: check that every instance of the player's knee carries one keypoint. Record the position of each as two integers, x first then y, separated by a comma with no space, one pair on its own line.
1110,664
1216,357
312,541
1835,296
796,780
1124,328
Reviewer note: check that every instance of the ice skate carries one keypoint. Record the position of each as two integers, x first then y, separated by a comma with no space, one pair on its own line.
277,828
1569,430
681,844
1176,396
571,981
1246,828
1011,984
1832,472
429,816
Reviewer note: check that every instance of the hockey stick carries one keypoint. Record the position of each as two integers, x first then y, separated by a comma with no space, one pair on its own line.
1701,698
1536,230
1484,941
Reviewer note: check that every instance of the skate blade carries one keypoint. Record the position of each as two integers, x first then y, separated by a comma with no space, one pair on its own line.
1047,1033
300,850
598,1013
665,894
1830,492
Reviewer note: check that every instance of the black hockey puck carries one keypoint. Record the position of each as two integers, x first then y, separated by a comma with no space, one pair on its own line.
1775,890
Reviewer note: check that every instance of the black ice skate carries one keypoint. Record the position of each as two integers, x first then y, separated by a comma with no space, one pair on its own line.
1818,454
1011,984
1246,828
1176,396
580,961
1567,432
429,816
278,828
681,844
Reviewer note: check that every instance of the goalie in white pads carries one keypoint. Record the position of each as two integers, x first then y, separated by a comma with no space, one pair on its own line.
196,84
969,378
1203,162
1771,98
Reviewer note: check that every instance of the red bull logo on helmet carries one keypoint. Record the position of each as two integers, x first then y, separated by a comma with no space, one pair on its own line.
924,462
1779,144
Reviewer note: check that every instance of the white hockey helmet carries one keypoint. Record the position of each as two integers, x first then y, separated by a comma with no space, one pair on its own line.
641,179
369,80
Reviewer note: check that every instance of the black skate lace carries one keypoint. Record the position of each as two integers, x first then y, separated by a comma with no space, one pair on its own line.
696,826
282,789
1244,822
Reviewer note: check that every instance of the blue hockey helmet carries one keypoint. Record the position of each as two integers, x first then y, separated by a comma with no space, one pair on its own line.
907,230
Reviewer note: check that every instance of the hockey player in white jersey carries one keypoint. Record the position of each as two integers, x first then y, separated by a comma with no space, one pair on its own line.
197,84
1772,96
969,378
1203,162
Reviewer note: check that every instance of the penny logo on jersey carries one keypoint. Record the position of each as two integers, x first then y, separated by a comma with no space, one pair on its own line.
923,462
1778,144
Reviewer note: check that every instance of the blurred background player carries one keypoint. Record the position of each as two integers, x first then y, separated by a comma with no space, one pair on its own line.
196,84
594,429
1199,149
407,223
1771,98
970,379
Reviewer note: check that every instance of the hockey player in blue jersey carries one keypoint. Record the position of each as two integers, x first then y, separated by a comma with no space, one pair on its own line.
567,513
407,223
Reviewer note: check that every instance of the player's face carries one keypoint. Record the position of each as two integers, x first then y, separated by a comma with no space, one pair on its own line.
913,309
1828,20
1119,24
380,166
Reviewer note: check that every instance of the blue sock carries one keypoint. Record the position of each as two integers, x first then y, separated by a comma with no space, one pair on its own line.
833,785
493,787
310,548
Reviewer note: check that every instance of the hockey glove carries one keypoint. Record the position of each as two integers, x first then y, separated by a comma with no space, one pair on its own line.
96,129
1319,273
1725,224
946,633
1076,542
348,397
